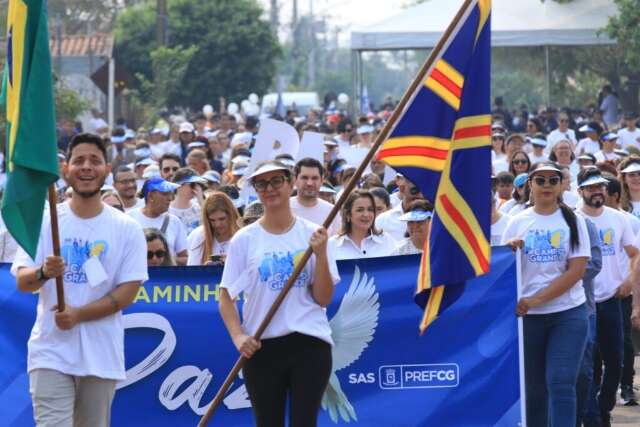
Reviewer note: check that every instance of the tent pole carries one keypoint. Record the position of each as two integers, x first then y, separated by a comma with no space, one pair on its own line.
354,83
360,78
547,75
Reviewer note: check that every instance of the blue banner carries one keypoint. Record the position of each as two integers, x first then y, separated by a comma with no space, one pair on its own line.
463,372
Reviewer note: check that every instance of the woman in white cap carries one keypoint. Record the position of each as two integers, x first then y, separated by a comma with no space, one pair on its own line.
607,153
555,248
630,180
186,204
293,358
418,218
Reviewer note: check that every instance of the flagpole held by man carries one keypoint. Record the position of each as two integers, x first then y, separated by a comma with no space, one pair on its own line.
32,164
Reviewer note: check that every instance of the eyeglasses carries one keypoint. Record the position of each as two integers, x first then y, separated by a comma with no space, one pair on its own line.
541,180
519,162
632,174
275,182
126,181
564,120
168,169
158,254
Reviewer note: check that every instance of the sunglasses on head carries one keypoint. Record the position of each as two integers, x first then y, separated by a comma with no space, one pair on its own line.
541,180
158,254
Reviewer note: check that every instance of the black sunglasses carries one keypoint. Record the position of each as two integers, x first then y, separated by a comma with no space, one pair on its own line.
275,182
169,169
541,180
158,254
519,162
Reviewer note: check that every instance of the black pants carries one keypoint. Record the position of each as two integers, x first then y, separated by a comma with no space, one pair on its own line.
294,366
629,354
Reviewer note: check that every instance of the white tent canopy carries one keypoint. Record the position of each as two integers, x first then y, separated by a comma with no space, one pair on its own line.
514,23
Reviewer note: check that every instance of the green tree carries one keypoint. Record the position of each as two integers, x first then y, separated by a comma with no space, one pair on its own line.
237,51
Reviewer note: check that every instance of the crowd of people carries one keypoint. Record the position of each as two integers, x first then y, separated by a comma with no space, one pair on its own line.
566,190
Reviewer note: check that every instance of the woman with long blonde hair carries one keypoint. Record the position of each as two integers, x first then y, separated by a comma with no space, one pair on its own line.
208,243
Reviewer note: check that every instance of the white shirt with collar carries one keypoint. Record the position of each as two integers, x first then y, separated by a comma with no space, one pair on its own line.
389,222
342,247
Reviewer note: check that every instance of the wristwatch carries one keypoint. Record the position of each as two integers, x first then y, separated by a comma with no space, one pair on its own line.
40,276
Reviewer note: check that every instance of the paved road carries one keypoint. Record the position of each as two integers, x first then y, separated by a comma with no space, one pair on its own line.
625,416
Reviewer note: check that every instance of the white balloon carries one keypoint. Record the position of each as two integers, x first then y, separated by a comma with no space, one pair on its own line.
232,108
343,98
245,105
253,110
253,98
207,109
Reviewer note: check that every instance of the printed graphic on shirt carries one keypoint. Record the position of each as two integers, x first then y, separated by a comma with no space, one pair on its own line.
76,252
607,237
541,246
276,268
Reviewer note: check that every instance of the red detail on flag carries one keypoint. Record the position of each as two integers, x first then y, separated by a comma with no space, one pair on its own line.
445,81
472,132
414,151
466,230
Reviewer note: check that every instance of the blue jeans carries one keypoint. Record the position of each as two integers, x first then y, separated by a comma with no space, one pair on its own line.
608,351
585,388
553,348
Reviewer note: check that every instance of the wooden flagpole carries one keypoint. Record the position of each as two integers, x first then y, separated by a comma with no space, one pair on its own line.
55,238
382,136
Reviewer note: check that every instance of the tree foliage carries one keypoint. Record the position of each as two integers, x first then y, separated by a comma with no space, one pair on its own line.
236,50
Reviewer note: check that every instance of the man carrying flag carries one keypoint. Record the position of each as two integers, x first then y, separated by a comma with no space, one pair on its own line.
76,350
442,143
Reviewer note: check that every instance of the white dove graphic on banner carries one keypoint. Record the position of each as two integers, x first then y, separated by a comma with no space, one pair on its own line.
352,328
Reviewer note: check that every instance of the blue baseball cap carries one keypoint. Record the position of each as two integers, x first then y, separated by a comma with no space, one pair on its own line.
159,184
520,180
416,216
212,176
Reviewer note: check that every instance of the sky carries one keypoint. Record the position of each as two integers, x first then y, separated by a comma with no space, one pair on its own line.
346,15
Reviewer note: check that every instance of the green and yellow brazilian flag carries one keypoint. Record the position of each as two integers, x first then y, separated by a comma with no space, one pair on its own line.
27,94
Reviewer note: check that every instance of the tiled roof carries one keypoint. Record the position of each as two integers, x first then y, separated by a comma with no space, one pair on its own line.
98,44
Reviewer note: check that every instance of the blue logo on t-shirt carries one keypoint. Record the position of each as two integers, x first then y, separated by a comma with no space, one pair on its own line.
76,252
607,237
276,268
542,246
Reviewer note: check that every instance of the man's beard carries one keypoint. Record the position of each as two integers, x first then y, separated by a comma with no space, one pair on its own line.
594,203
89,194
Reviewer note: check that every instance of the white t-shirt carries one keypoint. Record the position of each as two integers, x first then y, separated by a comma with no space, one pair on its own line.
615,233
190,216
536,159
557,135
342,247
195,246
259,264
634,222
500,165
570,198
8,245
406,247
317,214
601,156
629,138
389,222
139,204
93,348
588,146
547,250
635,211
507,206
497,229
176,234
